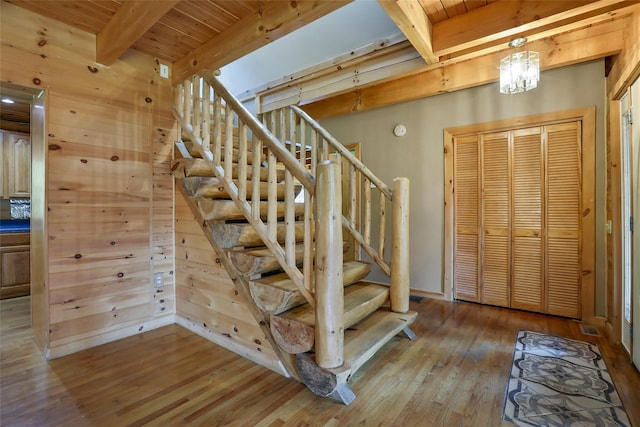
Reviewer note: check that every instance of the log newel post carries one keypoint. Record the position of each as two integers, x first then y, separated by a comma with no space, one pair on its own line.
329,294
400,276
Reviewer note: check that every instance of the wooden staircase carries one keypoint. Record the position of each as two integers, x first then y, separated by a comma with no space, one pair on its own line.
243,181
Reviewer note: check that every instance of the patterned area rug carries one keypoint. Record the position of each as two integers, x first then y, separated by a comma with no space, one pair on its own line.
560,382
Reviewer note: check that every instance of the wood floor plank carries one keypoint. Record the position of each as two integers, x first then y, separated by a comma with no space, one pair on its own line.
453,374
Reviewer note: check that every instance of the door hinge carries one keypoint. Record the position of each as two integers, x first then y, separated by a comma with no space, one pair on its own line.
631,224
628,117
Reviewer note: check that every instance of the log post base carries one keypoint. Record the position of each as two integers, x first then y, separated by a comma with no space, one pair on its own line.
324,382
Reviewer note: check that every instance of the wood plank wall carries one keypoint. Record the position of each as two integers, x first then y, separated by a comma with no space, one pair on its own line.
207,300
108,185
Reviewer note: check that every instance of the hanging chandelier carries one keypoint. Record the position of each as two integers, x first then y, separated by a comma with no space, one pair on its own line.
520,71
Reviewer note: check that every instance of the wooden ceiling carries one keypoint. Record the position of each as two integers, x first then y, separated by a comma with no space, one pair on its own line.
170,30
196,34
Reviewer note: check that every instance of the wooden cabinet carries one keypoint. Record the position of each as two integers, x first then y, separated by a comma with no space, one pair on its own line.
15,274
16,164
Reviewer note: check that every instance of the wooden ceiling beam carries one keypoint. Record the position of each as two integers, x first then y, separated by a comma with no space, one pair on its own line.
274,20
412,20
593,42
128,24
505,19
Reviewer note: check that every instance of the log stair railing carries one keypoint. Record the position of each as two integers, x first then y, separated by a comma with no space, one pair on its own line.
268,195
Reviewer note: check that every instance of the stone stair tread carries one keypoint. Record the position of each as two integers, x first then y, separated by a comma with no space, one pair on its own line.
277,293
294,329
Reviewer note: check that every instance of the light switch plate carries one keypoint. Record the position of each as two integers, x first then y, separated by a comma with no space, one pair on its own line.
164,71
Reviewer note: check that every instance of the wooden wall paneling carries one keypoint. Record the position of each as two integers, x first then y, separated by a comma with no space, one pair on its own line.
466,240
207,301
563,219
162,232
99,180
495,237
614,215
527,281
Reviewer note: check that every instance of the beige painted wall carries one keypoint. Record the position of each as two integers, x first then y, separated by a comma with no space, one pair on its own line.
419,154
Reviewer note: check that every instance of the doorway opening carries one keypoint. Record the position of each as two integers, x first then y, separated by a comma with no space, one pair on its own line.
22,116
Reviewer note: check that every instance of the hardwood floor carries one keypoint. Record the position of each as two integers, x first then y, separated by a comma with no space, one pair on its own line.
453,374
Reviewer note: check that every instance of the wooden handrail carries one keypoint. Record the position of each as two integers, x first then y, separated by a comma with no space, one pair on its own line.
284,156
336,145
189,103
361,232
290,137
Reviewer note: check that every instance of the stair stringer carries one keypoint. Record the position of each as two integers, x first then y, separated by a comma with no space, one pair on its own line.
242,286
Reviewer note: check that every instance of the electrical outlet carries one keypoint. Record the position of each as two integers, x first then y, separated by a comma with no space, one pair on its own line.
158,280
164,71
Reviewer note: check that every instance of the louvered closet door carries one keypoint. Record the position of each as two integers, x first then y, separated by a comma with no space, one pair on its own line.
518,204
466,218
563,205
527,287
495,219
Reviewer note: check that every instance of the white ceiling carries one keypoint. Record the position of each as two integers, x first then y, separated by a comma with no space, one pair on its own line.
355,25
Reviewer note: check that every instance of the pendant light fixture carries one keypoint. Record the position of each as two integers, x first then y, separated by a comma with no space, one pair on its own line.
520,71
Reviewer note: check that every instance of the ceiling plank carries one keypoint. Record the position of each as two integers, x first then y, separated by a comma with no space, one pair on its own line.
130,22
412,20
274,20
501,19
561,50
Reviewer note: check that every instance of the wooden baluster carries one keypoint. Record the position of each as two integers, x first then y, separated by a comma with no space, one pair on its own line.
255,177
353,208
178,104
366,220
314,151
272,196
187,104
303,144
307,259
272,189
197,106
400,275
290,220
228,143
217,129
307,271
242,160
206,116
325,148
329,330
382,225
